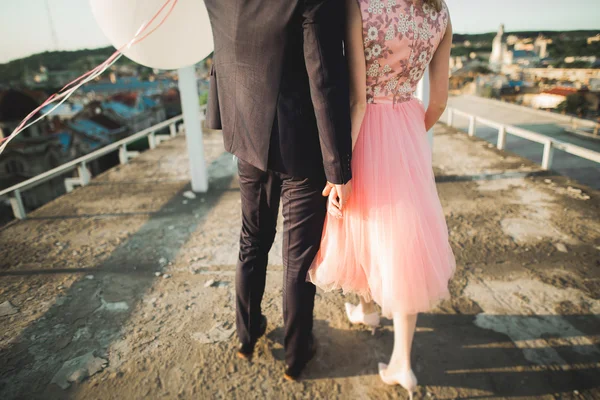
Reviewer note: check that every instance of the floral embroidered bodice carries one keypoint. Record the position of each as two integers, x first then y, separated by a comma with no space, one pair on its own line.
400,39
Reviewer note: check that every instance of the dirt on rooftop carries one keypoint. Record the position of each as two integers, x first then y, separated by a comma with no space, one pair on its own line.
124,289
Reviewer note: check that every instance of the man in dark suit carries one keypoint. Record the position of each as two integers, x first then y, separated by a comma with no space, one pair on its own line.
279,92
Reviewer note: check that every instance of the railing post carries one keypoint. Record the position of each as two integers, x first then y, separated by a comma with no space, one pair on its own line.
17,205
173,129
501,138
151,141
450,116
548,155
472,122
123,157
84,174
69,186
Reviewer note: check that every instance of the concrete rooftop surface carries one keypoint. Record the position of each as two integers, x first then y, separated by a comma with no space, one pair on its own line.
123,289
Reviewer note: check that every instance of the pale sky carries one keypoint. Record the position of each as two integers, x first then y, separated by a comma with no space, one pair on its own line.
25,27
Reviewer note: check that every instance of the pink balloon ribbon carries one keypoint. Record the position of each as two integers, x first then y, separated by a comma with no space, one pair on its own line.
72,86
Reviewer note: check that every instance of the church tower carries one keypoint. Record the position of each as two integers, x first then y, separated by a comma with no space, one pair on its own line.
499,48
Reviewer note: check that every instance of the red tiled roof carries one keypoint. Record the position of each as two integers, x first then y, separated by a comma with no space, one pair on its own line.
561,91
128,98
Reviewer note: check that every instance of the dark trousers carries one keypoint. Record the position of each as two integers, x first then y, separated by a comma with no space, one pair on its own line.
304,210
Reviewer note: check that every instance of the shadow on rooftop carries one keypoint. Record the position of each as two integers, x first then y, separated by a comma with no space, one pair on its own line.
28,364
552,354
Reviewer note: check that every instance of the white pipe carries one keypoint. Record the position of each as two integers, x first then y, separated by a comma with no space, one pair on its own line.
188,88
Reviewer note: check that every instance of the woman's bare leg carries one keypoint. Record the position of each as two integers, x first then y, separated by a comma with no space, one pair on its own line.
404,332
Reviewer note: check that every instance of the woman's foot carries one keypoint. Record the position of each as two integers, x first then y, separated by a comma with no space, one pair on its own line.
356,315
406,378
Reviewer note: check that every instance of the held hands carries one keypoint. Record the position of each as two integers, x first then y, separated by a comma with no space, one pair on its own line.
338,196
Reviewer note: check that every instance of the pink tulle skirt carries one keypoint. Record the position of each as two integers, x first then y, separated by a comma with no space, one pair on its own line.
391,245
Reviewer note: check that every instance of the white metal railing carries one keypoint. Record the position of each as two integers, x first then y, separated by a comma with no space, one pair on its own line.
549,143
174,124
562,118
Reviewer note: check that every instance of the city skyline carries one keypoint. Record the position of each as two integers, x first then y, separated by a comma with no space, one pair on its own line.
28,23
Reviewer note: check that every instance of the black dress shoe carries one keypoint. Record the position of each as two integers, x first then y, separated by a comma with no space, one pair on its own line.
292,373
245,350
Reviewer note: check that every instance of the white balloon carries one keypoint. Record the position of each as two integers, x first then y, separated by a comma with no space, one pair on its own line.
184,38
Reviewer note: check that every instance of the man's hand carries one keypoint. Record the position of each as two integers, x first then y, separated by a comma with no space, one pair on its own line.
338,197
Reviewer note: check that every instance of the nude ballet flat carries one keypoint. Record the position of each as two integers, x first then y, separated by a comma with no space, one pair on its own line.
356,316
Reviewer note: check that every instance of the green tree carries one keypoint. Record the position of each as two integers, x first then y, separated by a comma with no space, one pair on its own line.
482,69
203,98
574,104
145,73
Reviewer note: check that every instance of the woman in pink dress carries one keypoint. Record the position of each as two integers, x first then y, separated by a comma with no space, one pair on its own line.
389,242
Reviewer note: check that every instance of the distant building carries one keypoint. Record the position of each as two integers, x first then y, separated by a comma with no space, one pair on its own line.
26,158
511,50
63,111
511,40
47,78
581,75
585,103
14,106
540,46
171,101
35,150
130,110
131,84
524,44
593,39
70,132
456,63
548,99
521,57
464,74
588,59
94,135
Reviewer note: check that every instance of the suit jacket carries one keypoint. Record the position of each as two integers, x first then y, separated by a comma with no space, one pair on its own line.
279,85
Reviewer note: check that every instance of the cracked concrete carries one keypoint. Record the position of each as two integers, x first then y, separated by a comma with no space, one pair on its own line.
523,321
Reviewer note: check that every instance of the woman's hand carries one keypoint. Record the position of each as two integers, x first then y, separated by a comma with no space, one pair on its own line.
337,197
334,207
